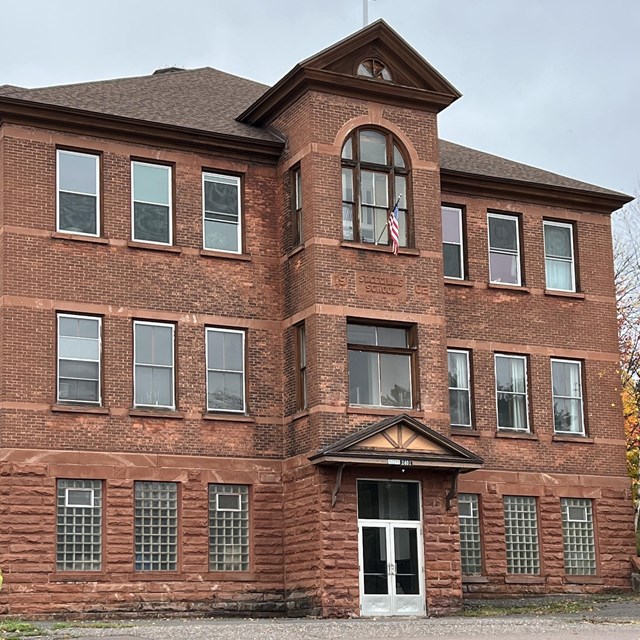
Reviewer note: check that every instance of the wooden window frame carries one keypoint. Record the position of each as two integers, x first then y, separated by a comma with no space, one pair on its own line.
302,400
297,222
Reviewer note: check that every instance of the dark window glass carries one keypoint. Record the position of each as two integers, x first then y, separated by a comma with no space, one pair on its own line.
388,500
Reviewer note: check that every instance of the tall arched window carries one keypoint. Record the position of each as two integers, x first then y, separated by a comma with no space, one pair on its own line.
374,176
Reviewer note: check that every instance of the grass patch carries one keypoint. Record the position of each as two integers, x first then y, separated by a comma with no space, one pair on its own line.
553,607
15,629
98,624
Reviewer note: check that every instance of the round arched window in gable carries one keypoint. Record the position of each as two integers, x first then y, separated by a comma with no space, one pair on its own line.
373,68
375,175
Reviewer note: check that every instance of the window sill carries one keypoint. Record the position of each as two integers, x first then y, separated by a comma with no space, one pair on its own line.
462,431
564,294
475,579
295,251
59,235
459,283
302,413
156,413
583,580
230,576
227,417
508,287
156,576
406,251
153,247
84,576
524,579
579,439
208,253
74,408
518,435
381,411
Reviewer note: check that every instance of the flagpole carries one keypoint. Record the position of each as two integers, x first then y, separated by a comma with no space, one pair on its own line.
387,222
365,13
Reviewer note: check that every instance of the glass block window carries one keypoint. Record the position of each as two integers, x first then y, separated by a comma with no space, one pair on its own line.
228,527
222,213
558,256
521,533
79,525
79,352
504,249
470,547
78,193
151,207
579,540
156,526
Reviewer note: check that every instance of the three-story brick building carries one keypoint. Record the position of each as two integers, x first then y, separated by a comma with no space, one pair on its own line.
221,391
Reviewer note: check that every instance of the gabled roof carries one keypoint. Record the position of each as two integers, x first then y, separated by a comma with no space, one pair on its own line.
399,441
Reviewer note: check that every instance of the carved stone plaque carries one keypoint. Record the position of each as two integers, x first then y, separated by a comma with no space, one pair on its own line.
380,285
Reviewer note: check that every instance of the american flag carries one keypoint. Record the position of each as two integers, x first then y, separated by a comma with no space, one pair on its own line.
394,229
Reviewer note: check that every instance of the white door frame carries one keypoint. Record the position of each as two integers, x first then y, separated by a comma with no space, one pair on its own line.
392,603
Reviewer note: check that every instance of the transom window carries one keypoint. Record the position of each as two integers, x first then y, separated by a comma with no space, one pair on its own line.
579,540
470,545
222,226
558,256
452,242
387,500
380,365
566,377
459,388
504,249
521,533
79,352
79,525
228,527
374,177
151,195
374,68
225,370
78,192
511,392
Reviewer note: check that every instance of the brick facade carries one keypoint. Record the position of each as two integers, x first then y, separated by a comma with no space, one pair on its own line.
304,552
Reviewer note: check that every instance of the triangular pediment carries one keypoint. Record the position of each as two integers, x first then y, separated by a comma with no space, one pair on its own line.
414,82
399,440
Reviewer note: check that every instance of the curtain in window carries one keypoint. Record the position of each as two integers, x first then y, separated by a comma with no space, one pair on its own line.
559,275
567,400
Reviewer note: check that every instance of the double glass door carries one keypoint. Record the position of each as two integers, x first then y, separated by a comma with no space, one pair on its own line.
391,561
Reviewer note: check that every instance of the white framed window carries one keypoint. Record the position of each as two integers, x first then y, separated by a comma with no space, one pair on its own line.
156,526
470,542
504,249
222,213
459,387
78,525
78,193
225,370
453,242
558,256
566,385
298,233
521,535
228,527
79,354
512,402
151,210
153,370
578,534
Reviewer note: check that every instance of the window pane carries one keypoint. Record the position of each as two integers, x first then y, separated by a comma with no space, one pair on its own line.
153,344
402,228
398,160
215,349
459,407
559,274
567,415
79,369
221,195
512,411
221,236
151,183
566,379
233,351
451,225
391,337
347,221
347,150
510,374
373,147
151,222
557,241
154,386
401,192
503,233
364,383
504,268
78,213
84,349
347,184
361,334
77,173
395,372
74,390
225,391
381,192
452,260
458,370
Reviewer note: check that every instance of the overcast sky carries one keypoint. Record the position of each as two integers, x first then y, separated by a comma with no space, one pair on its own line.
552,83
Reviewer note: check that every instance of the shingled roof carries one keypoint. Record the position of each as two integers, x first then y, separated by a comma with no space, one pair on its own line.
210,100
